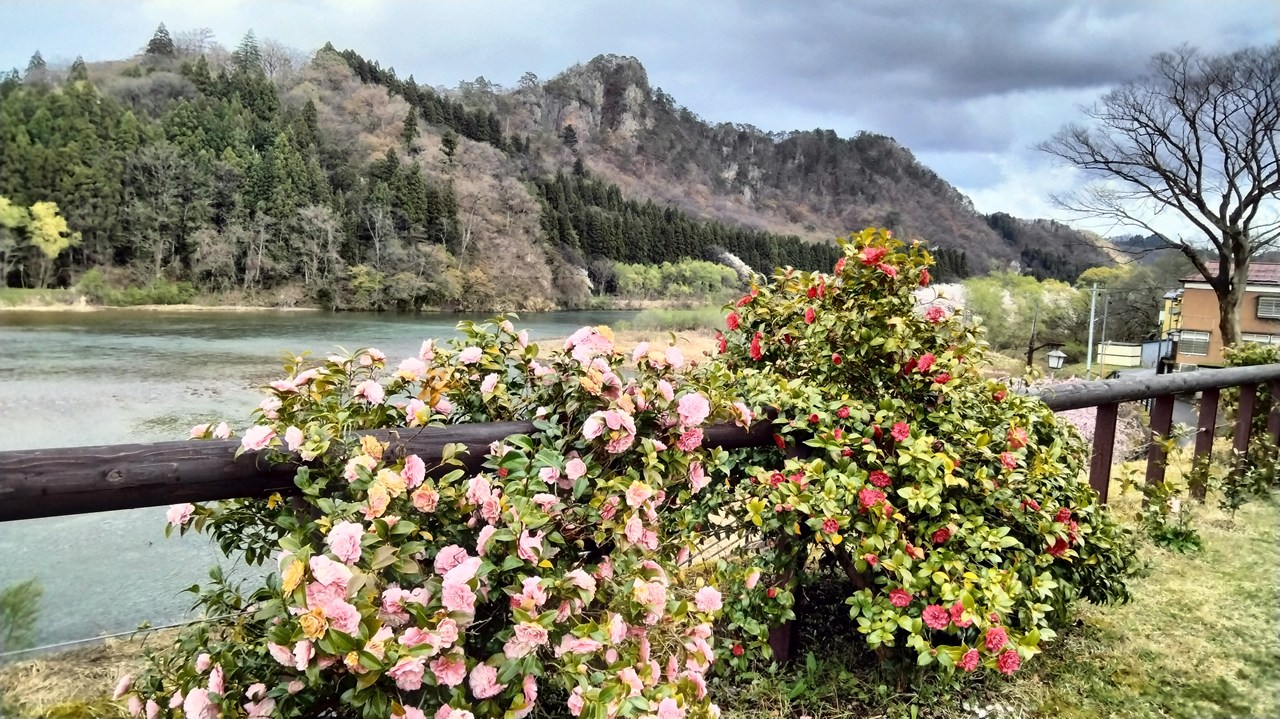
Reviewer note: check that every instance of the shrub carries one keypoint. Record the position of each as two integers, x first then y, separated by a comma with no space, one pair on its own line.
955,509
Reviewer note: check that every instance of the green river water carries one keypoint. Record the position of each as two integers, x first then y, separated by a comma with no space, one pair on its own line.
113,376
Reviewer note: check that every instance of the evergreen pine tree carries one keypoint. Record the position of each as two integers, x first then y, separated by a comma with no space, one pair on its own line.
409,132
161,44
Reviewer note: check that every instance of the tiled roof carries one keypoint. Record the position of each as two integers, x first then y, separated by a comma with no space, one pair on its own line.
1260,273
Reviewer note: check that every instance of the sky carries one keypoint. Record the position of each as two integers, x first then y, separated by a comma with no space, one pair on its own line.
968,86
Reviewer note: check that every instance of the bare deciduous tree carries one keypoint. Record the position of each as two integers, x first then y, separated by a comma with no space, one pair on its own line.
1196,137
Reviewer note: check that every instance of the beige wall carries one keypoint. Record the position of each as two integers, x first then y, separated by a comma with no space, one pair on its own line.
1200,313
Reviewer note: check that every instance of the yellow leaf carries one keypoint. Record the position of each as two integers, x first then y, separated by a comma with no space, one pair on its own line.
544,564
273,500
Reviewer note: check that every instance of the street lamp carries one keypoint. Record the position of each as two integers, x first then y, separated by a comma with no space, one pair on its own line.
1056,358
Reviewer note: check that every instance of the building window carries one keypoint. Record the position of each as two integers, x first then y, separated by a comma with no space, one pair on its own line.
1193,343
1269,307
1257,338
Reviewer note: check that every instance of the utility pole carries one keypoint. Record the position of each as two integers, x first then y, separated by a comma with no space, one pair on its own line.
1031,346
1093,307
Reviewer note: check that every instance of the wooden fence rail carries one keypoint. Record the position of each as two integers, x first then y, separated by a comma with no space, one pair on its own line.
62,481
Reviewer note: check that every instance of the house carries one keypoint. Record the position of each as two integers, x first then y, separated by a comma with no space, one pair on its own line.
1199,339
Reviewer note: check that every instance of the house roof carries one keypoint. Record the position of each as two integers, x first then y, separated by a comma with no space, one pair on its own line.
1260,273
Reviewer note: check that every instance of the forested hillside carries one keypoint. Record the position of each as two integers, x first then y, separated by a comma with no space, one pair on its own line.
268,176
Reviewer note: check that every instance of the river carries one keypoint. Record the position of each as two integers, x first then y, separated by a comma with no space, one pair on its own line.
113,376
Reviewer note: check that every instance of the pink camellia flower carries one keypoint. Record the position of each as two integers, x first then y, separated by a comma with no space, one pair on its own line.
580,579
899,597
448,558
293,438
179,514
638,493
698,476
281,654
576,702
1008,662
936,617
222,431
203,662
450,669
872,255
270,407
458,598
870,497
1017,438
996,639
634,530
258,438
444,406
415,412
546,502
675,357
753,578
575,468
669,709
427,352
484,681
482,540
371,391
464,572
925,362
529,546
957,615
690,440
408,673
935,314
708,600
425,500
809,315
122,686
470,355
344,541
523,338
693,409
412,368
217,680
621,427
631,680
175,701
970,660
200,430
1008,460
665,390
415,470
900,432
198,706
879,478
343,617
889,270
489,383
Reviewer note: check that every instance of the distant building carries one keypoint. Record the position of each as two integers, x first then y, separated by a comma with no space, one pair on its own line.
1196,316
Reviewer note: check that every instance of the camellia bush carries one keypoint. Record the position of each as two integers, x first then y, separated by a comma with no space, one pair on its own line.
559,571
405,590
954,508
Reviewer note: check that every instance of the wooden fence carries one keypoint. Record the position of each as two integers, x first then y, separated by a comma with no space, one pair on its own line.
62,481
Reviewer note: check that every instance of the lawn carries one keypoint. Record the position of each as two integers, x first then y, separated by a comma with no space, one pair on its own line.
1199,640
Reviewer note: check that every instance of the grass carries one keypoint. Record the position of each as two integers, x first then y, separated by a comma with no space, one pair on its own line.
22,297
1200,640
677,320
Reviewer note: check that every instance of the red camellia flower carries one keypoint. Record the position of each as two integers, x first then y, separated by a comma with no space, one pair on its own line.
813,292
872,255
846,452
1008,460
738,650
914,551
809,315
1017,438
822,289
908,366
776,479
1058,547
835,359
813,418
875,429
888,509
732,321
772,593
900,431
1033,504
936,617
870,497
837,433
871,559
899,597
756,353
503,471
745,299
724,343
778,440
889,270
942,378
969,661
957,614
924,277
843,413
935,314
996,639
925,362
830,526
941,536
879,478
1063,515
839,265
1009,662
999,395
